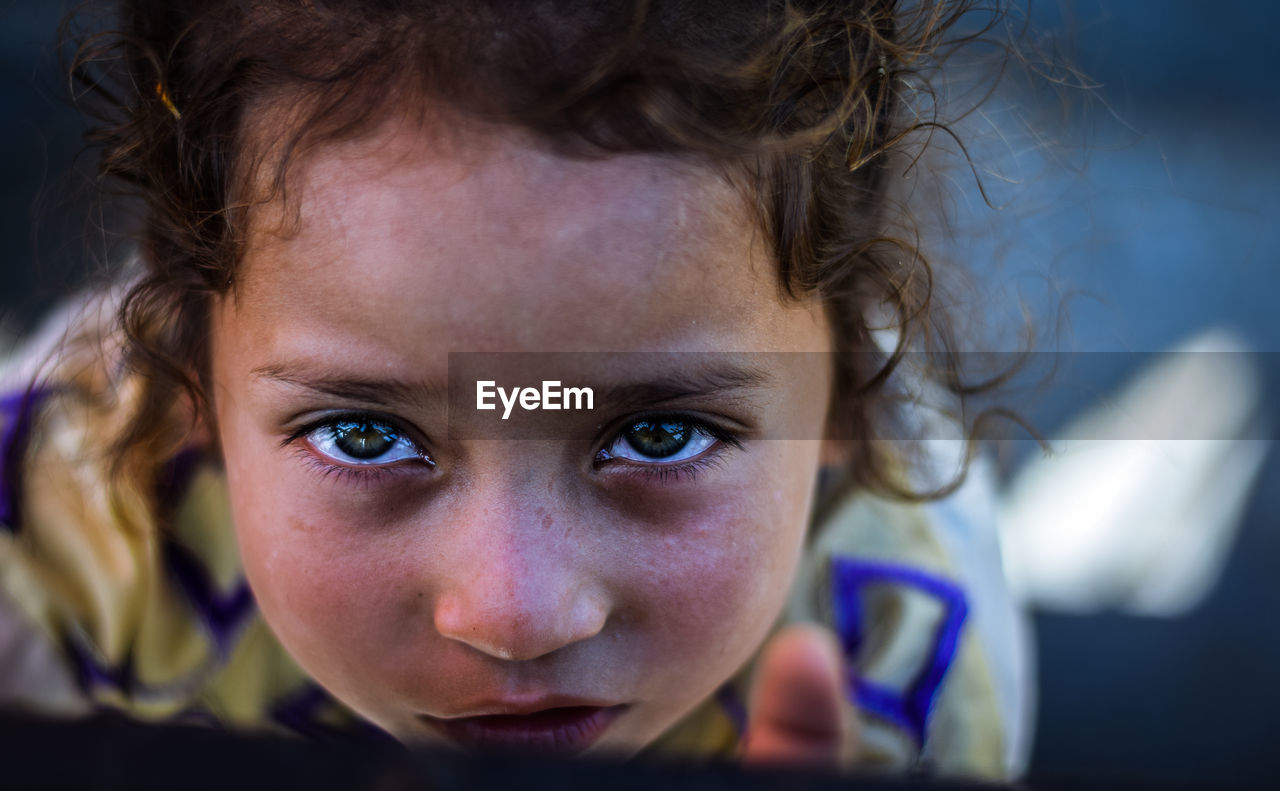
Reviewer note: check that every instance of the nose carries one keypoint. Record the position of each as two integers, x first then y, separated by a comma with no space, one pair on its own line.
519,593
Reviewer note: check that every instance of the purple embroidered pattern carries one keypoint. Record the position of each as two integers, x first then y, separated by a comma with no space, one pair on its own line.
223,615
16,413
908,708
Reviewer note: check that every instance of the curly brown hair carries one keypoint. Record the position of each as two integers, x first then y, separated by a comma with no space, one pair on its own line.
806,97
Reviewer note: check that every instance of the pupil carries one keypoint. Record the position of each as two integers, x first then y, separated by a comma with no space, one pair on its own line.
657,439
362,440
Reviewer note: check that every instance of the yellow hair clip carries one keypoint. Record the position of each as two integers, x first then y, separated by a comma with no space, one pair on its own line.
168,103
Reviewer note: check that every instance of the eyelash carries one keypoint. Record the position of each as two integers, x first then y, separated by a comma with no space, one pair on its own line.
656,471
683,471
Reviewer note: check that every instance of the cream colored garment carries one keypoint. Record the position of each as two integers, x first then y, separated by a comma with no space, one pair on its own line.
890,556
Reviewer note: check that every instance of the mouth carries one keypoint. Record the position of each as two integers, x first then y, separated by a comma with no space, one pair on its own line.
563,730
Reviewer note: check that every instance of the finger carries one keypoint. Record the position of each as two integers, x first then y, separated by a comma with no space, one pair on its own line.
798,715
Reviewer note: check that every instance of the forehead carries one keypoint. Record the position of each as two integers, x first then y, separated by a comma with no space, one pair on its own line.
494,243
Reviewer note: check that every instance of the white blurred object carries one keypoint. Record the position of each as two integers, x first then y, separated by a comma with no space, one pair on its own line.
1141,524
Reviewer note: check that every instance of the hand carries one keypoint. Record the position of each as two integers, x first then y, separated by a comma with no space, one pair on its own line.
797,714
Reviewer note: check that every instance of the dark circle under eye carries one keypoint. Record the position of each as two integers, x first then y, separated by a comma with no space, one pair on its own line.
657,439
363,440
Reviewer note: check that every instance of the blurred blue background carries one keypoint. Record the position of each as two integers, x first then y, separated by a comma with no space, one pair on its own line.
1170,223
1173,229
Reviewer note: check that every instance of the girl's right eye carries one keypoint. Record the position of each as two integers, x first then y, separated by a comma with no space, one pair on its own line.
362,442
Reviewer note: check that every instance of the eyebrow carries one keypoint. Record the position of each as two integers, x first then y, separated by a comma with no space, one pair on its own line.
718,381
709,381
381,391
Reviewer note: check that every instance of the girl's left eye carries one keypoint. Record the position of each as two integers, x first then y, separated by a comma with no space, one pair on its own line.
662,440
362,442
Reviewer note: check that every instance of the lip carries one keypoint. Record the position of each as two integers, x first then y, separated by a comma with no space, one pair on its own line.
563,730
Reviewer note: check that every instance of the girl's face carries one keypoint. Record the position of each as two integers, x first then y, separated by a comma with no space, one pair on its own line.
575,593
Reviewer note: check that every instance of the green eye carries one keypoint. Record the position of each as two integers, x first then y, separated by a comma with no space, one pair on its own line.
362,442
657,439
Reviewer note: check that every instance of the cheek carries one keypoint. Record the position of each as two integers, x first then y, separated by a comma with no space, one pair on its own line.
329,585
306,580
351,612
715,573
301,584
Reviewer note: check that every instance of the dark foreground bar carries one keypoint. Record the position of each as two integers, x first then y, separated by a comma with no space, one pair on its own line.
110,752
